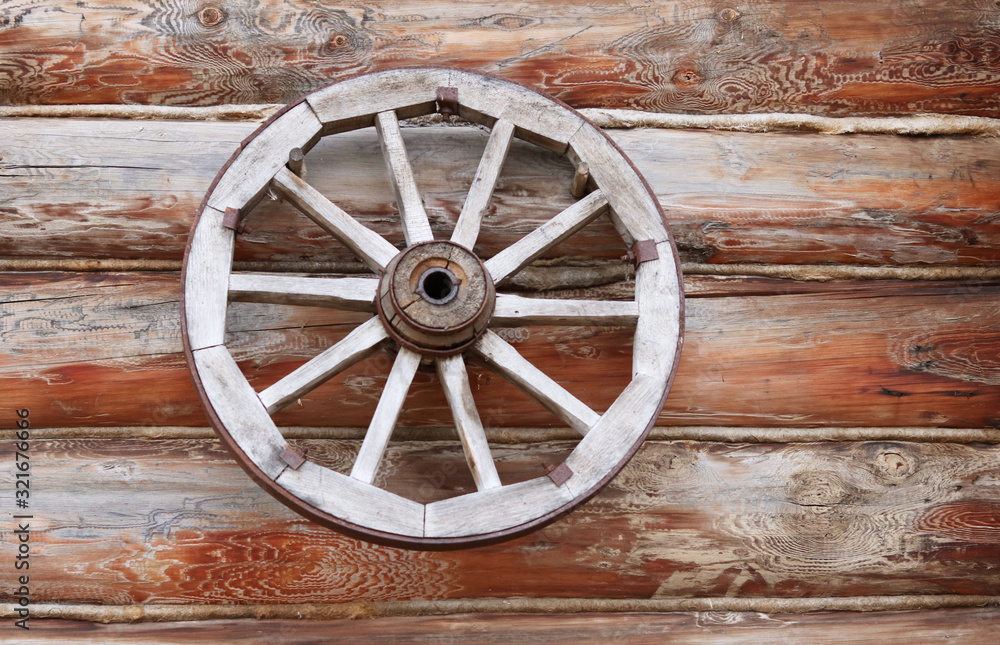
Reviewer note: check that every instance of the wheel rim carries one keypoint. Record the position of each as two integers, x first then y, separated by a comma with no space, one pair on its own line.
470,290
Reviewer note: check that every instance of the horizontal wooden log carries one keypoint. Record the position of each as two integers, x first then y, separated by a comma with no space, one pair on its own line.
104,350
79,189
177,522
925,56
957,626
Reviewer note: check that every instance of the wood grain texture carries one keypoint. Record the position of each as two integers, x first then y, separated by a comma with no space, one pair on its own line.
100,189
518,255
477,202
249,175
956,627
416,227
355,346
383,421
673,55
367,246
454,379
206,280
502,358
875,355
513,310
351,294
121,522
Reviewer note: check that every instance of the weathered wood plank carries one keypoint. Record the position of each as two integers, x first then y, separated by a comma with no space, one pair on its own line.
925,56
206,280
177,521
79,347
353,501
249,426
88,188
955,626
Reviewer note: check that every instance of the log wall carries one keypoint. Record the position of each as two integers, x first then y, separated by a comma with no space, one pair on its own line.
830,441
675,55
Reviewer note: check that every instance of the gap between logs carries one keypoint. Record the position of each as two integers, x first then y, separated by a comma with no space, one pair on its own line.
403,608
540,277
538,435
919,124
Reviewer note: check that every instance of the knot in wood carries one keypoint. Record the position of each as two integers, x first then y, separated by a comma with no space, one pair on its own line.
211,16
894,465
338,40
817,488
436,297
729,14
686,77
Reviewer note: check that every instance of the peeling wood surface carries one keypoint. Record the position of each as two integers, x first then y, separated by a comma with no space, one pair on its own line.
176,521
78,189
78,346
957,627
776,56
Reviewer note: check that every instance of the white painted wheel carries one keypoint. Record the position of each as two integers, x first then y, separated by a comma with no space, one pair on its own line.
433,300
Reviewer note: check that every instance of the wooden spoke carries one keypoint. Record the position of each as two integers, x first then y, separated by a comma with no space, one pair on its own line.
502,358
485,181
382,424
455,381
351,294
355,346
373,249
416,228
518,255
514,310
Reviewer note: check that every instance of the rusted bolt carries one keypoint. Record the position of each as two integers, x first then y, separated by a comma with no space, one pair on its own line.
729,14
211,16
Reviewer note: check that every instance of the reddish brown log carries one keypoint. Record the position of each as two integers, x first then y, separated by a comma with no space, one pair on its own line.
832,58
104,350
176,521
958,627
118,189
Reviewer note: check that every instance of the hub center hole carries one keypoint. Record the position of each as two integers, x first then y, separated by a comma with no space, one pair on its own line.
438,285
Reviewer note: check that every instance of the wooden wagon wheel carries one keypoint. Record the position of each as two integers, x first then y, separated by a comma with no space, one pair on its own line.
436,300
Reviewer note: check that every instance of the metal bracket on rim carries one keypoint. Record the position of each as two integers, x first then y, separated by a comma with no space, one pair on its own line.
232,218
560,474
642,251
293,457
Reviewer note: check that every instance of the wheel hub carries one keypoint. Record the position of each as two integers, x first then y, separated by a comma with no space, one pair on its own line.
436,298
